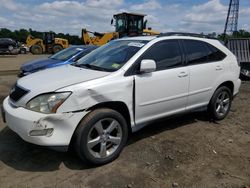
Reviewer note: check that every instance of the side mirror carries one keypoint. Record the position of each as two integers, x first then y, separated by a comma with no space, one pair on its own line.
112,21
147,66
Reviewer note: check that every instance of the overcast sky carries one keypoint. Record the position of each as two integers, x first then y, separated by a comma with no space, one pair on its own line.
163,15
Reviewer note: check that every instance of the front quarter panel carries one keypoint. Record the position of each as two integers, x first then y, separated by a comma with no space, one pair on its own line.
108,89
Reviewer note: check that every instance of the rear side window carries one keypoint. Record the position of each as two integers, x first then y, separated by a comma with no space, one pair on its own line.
197,52
215,54
166,54
200,52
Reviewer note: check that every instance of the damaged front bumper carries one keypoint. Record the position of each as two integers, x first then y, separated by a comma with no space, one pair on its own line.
53,130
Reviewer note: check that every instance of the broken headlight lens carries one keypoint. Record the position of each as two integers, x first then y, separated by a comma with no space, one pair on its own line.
47,103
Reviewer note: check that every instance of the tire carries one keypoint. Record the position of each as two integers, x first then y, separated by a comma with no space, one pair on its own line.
36,49
101,126
56,48
220,104
23,51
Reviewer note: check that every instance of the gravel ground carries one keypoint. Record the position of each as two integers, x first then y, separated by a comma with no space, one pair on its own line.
13,62
185,151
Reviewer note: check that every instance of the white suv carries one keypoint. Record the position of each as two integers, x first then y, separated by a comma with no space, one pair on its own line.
119,88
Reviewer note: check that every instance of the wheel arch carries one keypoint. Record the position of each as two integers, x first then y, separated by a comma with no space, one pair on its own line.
118,106
228,84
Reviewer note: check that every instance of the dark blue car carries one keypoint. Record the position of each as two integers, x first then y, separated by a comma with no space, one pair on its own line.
66,56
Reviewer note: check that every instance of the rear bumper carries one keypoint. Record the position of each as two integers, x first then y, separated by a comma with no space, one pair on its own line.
237,85
59,127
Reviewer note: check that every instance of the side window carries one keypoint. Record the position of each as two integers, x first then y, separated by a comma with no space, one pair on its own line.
215,54
167,54
197,52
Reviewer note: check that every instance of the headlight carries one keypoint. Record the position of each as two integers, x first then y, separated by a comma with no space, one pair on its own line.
47,103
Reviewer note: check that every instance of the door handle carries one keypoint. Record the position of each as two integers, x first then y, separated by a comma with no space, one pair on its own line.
218,68
182,74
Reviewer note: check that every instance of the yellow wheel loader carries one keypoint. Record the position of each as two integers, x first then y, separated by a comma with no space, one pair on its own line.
126,24
49,44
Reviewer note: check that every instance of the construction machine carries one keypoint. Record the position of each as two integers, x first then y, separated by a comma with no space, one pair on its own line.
49,44
126,24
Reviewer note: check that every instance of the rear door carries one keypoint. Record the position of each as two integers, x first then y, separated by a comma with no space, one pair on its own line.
205,63
164,91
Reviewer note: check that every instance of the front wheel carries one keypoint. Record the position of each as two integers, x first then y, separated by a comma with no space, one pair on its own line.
220,103
101,136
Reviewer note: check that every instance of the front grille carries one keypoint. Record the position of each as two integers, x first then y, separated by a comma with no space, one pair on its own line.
17,93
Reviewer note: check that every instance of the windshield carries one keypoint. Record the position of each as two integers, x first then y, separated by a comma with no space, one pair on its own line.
66,53
111,56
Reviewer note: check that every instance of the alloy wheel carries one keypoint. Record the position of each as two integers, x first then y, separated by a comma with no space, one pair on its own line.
222,103
104,138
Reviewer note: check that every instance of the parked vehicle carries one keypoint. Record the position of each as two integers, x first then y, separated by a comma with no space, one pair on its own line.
241,48
24,49
8,46
119,88
66,56
49,43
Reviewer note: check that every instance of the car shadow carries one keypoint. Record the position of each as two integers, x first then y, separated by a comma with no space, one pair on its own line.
169,123
20,155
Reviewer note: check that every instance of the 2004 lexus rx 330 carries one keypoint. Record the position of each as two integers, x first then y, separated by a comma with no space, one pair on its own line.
118,89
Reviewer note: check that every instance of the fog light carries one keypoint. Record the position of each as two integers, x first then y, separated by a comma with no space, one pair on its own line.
43,132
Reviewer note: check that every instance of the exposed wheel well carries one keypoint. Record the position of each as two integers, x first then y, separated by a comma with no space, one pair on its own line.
228,84
118,106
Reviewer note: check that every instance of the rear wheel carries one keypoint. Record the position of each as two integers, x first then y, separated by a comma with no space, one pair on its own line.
220,103
101,136
36,49
57,48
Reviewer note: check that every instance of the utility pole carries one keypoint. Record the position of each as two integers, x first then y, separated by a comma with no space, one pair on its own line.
232,17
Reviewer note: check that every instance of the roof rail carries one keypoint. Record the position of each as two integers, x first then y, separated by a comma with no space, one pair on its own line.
185,34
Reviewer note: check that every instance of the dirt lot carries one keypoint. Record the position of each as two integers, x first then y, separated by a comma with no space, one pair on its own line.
13,62
187,151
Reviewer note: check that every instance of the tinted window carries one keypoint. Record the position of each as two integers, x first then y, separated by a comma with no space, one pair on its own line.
197,52
166,54
215,54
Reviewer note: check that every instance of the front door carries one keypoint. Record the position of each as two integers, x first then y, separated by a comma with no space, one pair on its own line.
164,91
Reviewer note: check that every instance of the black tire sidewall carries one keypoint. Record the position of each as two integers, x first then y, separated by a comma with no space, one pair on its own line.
55,47
85,127
36,46
212,104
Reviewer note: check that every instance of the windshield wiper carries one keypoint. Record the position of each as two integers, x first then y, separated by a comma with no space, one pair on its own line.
89,66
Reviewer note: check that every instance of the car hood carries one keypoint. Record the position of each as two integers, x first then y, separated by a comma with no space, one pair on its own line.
50,80
38,64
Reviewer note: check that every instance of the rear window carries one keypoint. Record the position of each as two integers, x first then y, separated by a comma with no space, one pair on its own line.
67,53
